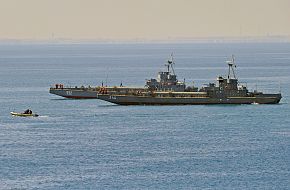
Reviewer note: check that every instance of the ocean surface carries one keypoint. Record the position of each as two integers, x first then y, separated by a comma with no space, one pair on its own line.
92,144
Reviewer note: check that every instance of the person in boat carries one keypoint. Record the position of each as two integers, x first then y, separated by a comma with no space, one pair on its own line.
28,111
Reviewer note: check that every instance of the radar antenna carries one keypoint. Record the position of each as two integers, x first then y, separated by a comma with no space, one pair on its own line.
231,64
170,63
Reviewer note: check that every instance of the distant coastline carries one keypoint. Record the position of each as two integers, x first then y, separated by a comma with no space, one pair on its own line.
247,39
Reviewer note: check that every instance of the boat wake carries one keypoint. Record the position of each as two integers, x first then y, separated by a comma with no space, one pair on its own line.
255,103
43,116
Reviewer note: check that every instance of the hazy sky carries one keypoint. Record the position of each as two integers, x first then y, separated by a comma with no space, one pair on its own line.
142,19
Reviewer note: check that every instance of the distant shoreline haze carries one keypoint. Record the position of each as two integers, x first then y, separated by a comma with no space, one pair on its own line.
253,39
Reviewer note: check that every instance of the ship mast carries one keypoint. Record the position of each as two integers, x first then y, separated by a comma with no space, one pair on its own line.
231,65
170,63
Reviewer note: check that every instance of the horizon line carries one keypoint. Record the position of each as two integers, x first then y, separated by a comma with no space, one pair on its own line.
225,39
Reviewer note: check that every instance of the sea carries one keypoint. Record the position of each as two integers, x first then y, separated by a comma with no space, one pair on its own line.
92,144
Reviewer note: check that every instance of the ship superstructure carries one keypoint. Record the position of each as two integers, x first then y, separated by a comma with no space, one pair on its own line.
166,80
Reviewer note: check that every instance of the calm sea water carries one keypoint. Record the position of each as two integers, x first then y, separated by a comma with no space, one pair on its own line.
91,144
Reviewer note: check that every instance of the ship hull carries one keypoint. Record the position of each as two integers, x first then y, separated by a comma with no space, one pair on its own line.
148,100
139,100
75,93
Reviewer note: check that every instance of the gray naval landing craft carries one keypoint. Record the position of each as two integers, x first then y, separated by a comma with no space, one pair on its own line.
167,90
